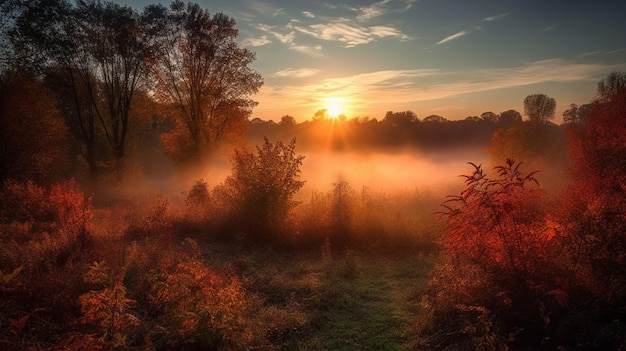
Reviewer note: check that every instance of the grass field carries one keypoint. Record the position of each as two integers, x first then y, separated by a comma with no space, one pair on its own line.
339,301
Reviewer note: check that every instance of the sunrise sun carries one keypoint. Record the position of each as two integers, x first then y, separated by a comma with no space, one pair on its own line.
335,106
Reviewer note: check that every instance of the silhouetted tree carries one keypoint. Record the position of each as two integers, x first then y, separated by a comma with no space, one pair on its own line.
121,49
539,108
287,121
204,74
489,117
320,115
577,114
434,118
99,51
400,119
9,11
613,86
509,117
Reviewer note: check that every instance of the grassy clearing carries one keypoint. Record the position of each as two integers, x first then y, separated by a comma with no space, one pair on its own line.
352,302
367,303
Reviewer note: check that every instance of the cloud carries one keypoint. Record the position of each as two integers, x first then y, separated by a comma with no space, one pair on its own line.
408,5
402,87
264,8
386,31
380,8
314,51
297,72
283,38
350,34
255,41
549,28
308,14
452,37
496,17
374,10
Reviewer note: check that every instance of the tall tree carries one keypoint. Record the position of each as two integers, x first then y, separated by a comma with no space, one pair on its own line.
48,40
121,49
613,86
204,75
9,11
539,107
98,49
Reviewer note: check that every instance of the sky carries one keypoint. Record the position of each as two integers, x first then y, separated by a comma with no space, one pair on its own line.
454,58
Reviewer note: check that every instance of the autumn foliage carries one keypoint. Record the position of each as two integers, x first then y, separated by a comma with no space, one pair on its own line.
522,270
503,263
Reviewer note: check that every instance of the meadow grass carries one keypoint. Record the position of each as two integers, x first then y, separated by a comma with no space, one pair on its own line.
370,307
352,301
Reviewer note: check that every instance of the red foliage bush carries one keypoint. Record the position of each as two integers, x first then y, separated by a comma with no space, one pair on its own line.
43,225
504,265
595,206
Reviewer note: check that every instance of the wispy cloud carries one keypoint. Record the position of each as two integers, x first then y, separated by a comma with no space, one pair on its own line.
549,28
374,10
297,72
314,51
452,37
601,52
473,28
308,14
264,8
496,17
387,31
408,4
285,38
402,87
256,41
350,34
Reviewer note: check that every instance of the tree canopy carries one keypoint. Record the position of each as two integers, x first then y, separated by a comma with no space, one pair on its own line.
539,107
204,74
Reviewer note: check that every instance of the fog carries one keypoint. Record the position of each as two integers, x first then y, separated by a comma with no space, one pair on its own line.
377,171
388,172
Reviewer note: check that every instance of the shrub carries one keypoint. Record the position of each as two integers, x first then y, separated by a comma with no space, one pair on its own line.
43,226
503,261
157,222
262,186
595,206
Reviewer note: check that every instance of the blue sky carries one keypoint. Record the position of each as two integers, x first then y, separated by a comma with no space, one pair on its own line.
452,58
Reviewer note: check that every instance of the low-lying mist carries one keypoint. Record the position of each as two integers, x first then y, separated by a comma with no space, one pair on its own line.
387,172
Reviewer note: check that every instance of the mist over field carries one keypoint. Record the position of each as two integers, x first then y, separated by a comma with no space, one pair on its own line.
378,171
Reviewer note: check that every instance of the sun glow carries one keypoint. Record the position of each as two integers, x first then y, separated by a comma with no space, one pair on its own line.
335,106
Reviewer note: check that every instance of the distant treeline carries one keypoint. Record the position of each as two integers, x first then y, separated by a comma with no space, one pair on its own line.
397,130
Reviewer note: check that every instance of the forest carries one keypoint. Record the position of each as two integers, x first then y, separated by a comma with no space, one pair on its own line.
144,207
